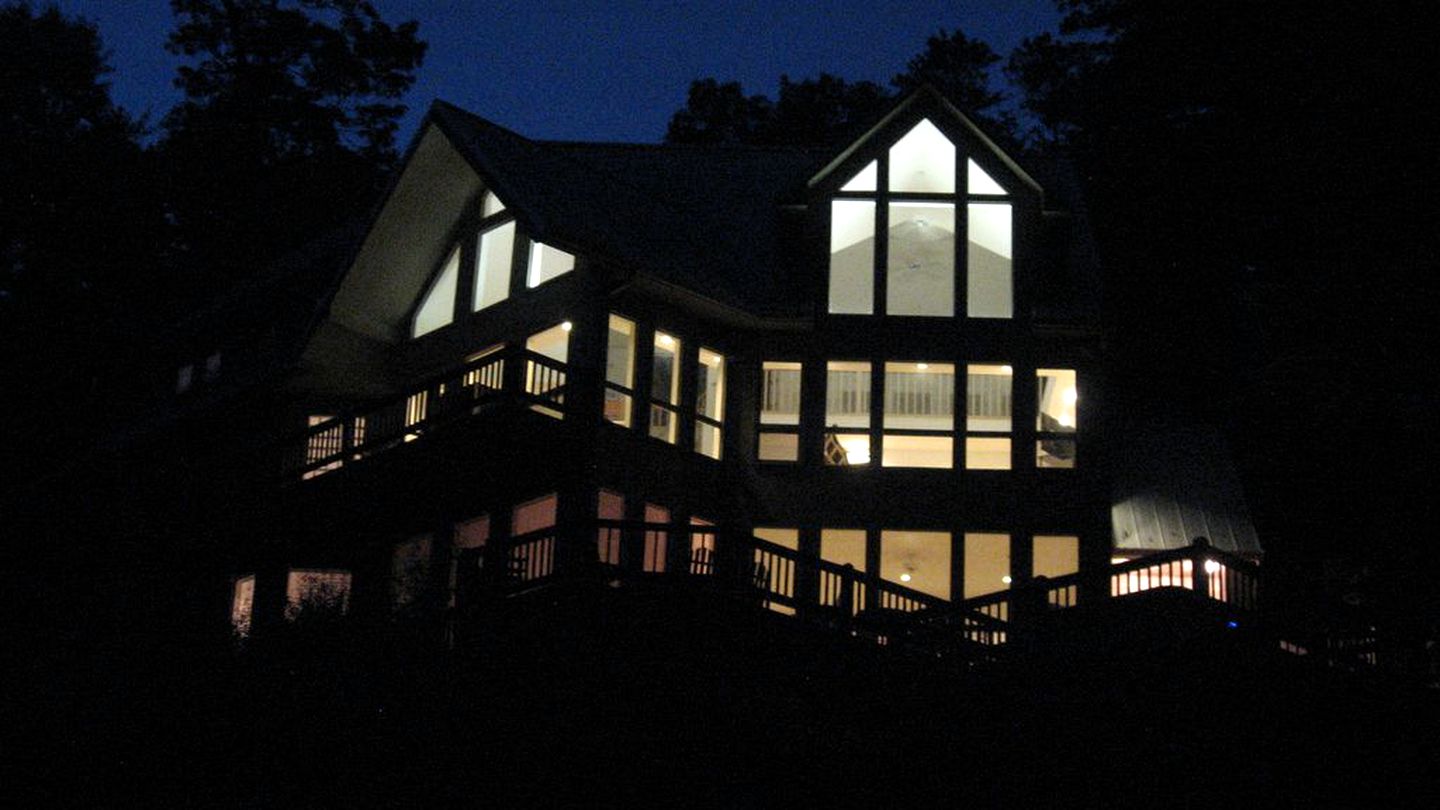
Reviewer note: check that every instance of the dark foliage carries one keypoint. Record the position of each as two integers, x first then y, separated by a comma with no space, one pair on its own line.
78,228
288,124
1253,171
828,110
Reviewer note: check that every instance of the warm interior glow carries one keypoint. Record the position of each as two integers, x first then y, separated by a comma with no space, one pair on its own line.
1056,555
547,263
989,273
619,370
920,269
491,205
980,181
324,591
923,160
492,269
852,257
987,563
864,180
921,560
438,306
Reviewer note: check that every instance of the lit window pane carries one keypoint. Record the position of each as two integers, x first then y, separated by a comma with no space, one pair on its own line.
843,547
852,257
918,451
1056,555
847,449
987,563
492,205
980,181
320,592
547,263
985,453
710,386
864,180
656,541
1058,398
533,516
619,369
988,398
610,506
438,308
777,574
779,447
665,377
554,342
919,560
847,394
780,394
707,440
242,605
990,286
920,396
920,269
923,160
492,270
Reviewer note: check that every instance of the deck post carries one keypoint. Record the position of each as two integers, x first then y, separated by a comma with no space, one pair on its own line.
1199,577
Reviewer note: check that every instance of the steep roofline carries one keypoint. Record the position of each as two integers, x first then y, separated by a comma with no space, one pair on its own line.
925,92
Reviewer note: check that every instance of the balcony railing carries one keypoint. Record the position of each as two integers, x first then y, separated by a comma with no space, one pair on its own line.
459,394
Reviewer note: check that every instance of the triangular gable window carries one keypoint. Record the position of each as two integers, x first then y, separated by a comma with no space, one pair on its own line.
864,180
438,307
923,161
980,182
546,263
491,205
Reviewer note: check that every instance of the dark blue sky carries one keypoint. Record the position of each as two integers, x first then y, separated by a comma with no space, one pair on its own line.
602,70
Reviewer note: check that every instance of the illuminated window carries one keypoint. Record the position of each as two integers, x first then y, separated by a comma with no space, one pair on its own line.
656,540
665,388
1055,418
492,205
495,250
547,263
775,573
920,270
532,532
779,411
989,255
610,506
437,305
311,592
919,560
852,257
242,605
987,563
620,371
914,213
702,546
919,419
1056,555
545,371
709,403
847,412
988,419
841,547
923,160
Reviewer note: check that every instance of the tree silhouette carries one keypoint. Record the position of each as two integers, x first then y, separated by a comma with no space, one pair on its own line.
79,230
827,110
288,122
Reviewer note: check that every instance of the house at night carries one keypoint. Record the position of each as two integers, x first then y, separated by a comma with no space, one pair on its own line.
861,387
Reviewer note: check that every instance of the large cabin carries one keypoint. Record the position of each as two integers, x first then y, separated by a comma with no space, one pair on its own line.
864,383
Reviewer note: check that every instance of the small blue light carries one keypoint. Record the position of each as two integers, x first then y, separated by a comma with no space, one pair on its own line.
1232,624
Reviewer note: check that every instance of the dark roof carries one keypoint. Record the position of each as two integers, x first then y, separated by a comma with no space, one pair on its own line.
703,217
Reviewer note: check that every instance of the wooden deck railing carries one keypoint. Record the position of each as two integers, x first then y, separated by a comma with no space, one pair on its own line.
458,394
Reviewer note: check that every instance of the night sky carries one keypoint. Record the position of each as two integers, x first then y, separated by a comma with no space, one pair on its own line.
602,71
